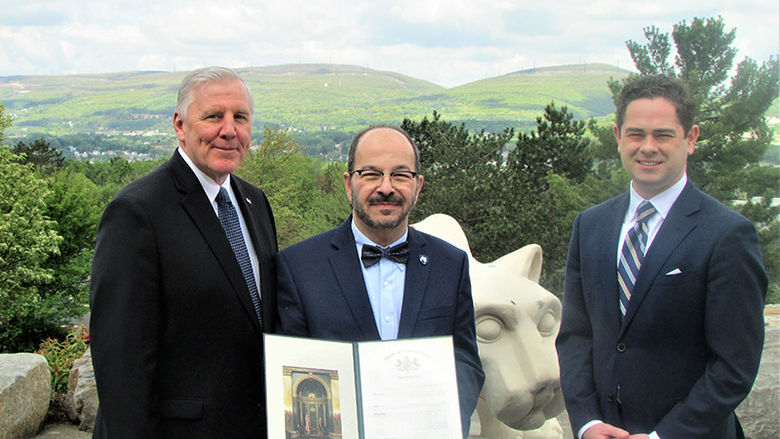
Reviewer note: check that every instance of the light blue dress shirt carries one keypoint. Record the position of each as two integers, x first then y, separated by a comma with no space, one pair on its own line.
662,202
385,286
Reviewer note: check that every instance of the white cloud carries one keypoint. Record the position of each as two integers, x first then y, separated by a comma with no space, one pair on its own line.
448,42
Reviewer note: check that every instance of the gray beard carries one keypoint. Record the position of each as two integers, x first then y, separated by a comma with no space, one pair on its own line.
357,207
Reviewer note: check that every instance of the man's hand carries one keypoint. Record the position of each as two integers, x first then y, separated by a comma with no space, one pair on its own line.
639,436
605,431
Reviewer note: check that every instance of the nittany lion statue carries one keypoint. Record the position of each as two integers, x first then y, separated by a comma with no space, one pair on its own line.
517,321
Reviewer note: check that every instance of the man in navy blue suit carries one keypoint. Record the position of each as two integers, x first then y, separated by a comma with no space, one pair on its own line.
373,277
662,326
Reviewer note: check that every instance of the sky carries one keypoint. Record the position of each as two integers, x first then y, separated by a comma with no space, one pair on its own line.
447,42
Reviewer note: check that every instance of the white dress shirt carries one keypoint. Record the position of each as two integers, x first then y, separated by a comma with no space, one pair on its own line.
212,189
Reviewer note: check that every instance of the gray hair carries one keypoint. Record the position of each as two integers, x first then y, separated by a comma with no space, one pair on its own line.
200,77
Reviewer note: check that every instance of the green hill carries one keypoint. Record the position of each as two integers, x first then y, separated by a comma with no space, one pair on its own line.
308,99
520,95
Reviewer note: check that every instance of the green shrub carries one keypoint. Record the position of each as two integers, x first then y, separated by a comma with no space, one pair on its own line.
61,353
773,295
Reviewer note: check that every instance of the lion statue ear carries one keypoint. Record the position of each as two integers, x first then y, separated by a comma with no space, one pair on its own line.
526,262
447,228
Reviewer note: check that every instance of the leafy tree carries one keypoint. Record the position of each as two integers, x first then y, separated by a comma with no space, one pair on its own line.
41,154
5,122
557,146
73,203
546,168
27,240
49,210
111,176
464,178
548,221
652,60
734,135
608,178
306,194
329,145
503,204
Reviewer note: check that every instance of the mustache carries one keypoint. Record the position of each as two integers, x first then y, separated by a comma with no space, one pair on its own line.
385,199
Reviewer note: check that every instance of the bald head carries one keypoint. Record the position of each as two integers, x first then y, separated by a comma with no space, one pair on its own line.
381,130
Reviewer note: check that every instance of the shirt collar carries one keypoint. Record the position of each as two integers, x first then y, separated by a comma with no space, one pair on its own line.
662,202
209,185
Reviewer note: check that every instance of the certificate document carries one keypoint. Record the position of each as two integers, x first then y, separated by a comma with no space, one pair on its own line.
379,390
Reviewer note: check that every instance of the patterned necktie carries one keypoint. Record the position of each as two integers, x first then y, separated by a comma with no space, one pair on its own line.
371,254
633,254
229,220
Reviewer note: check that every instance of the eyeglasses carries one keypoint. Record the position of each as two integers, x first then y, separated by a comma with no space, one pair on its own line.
375,176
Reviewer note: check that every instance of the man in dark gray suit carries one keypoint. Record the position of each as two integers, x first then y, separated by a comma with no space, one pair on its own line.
662,326
183,281
411,285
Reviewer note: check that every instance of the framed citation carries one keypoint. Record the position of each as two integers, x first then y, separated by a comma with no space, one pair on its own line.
379,390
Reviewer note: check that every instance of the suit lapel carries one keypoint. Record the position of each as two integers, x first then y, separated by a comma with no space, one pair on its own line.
258,229
346,268
678,224
198,207
415,283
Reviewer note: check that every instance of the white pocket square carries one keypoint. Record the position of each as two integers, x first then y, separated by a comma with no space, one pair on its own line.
673,272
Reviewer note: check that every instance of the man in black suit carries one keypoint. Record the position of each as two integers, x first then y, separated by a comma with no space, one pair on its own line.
662,326
178,307
326,292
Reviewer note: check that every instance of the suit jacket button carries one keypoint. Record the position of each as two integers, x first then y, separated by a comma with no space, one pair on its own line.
610,398
621,347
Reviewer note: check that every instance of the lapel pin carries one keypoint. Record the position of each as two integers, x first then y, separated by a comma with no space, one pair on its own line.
248,200
424,259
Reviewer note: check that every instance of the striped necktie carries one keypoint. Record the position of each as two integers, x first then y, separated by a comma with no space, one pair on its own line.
633,254
229,220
